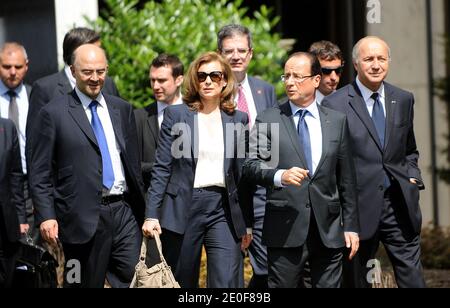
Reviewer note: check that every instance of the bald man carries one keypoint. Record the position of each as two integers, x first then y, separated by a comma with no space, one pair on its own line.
85,177
380,119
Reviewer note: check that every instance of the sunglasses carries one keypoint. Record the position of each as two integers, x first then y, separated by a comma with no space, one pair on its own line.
215,76
329,70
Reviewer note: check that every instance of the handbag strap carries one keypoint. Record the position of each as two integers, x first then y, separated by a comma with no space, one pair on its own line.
158,245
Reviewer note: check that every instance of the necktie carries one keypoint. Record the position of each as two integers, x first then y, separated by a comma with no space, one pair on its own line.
13,110
108,173
379,120
242,103
304,139
378,117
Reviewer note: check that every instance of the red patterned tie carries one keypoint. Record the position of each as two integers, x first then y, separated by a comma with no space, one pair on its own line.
242,103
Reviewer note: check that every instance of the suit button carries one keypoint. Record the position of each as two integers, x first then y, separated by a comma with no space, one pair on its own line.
308,205
381,187
99,171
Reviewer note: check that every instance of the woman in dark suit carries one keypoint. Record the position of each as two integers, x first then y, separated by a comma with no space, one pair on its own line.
11,200
193,197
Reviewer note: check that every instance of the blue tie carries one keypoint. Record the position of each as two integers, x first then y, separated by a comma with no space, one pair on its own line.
378,117
108,173
304,139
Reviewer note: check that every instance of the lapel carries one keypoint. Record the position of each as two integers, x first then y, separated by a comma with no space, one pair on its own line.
64,85
257,93
114,114
77,112
391,106
359,106
152,120
227,119
192,122
325,124
288,120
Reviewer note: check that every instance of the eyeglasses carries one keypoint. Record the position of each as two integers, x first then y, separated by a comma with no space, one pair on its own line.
215,76
298,79
242,52
328,70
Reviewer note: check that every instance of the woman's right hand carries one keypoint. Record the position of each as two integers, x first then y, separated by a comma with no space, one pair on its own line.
151,227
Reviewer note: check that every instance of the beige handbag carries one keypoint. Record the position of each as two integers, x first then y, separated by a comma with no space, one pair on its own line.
157,276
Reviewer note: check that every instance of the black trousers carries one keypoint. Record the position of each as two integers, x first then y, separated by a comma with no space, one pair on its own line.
9,252
208,226
402,246
286,264
113,252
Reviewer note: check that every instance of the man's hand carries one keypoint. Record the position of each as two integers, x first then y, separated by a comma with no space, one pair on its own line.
49,231
246,240
294,176
24,228
151,228
351,241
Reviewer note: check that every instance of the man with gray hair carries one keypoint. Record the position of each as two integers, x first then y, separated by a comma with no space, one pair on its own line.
380,119
234,43
14,94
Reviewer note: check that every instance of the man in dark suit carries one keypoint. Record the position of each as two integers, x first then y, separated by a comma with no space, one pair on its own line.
380,119
311,210
62,82
254,96
85,177
11,200
166,77
14,105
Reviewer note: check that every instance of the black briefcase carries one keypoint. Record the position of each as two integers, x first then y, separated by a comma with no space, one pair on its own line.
35,267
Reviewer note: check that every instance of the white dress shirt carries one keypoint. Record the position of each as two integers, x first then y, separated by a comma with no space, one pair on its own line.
119,186
161,106
319,97
367,93
22,105
209,170
249,99
312,119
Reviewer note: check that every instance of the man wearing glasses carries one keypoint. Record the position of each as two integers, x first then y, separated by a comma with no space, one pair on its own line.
332,64
311,211
234,43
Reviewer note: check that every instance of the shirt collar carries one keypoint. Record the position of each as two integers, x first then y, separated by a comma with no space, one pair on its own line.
313,109
86,100
69,75
162,105
366,92
244,82
4,89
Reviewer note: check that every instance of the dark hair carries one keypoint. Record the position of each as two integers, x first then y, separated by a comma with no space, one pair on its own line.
326,50
75,38
315,64
230,31
191,84
169,60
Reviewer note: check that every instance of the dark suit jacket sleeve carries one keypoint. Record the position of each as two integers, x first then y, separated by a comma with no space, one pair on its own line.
16,179
40,167
346,181
412,154
255,171
273,98
141,119
161,170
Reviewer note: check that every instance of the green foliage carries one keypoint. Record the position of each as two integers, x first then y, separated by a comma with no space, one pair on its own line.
132,37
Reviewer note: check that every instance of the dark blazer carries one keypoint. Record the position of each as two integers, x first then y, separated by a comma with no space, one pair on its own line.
399,156
170,192
49,87
263,94
330,192
12,200
147,132
66,166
